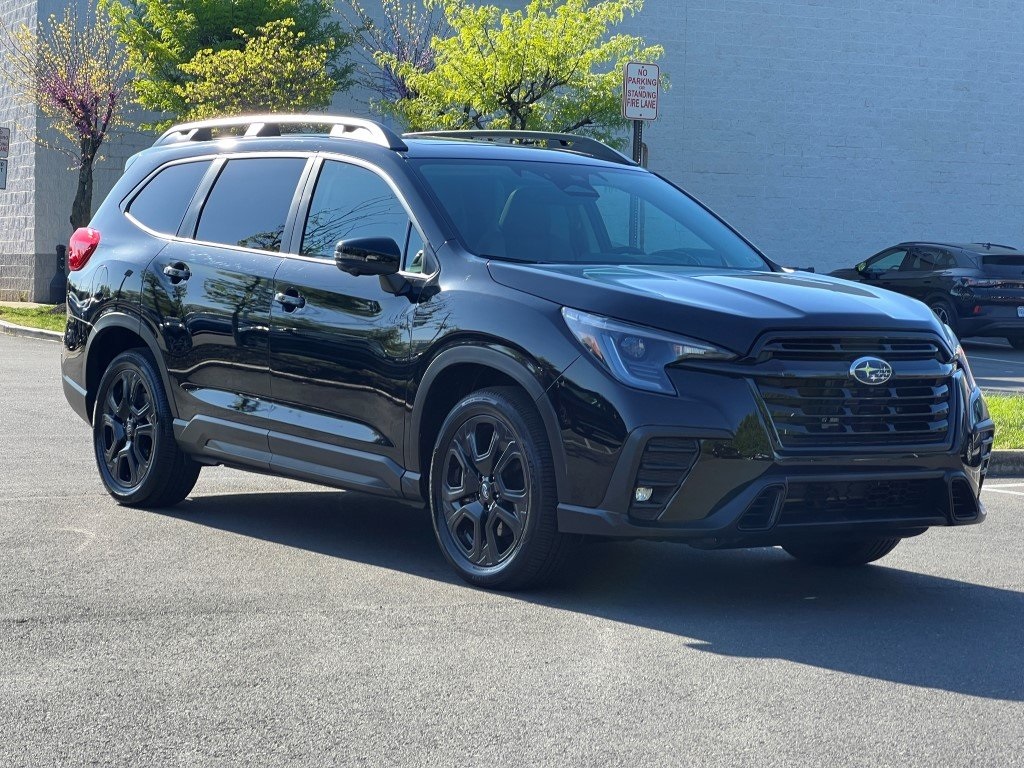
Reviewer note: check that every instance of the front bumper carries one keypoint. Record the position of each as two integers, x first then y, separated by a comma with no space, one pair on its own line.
727,481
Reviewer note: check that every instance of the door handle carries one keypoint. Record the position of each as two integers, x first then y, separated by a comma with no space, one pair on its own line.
290,301
177,272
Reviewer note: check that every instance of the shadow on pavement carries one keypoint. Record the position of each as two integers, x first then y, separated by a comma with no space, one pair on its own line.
877,622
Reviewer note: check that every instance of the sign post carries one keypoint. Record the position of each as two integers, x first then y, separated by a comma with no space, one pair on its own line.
5,149
640,90
641,85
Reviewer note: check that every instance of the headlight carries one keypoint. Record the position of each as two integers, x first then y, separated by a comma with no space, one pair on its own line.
635,355
959,356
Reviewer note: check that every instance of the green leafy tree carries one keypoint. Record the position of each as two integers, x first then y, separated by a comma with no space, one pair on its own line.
72,70
555,65
274,71
163,38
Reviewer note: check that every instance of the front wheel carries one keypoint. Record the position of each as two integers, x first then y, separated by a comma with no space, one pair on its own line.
139,461
1017,342
492,492
842,553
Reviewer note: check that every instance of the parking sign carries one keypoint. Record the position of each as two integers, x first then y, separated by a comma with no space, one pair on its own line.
5,141
640,89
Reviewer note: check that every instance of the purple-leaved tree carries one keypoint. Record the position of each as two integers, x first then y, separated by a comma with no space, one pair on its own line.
73,71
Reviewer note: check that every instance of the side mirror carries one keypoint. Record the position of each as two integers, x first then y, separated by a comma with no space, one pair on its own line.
368,256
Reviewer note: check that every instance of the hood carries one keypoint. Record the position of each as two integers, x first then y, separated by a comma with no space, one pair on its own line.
730,308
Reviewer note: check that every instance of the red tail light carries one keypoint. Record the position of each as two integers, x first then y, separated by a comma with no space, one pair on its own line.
82,246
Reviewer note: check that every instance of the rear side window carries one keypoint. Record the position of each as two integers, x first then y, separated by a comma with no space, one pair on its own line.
249,203
162,203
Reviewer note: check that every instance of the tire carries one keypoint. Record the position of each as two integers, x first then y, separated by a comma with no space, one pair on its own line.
1017,342
946,313
139,461
492,492
841,553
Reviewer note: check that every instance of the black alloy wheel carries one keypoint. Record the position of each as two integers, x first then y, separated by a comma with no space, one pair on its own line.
1017,342
128,428
139,462
492,491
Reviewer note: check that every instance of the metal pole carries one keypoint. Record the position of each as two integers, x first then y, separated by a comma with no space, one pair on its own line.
634,205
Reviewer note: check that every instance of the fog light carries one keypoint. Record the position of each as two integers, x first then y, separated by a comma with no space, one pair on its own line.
643,493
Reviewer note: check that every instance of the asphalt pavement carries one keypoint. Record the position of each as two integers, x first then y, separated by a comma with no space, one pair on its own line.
997,366
270,622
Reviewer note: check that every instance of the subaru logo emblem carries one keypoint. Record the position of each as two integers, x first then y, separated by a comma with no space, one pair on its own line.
871,370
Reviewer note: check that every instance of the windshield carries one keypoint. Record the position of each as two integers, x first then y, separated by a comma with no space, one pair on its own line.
562,213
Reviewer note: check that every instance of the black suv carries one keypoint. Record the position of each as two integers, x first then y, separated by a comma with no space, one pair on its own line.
977,289
527,331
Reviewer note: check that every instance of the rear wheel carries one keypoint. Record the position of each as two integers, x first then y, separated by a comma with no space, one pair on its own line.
944,310
842,553
138,459
492,492
1017,342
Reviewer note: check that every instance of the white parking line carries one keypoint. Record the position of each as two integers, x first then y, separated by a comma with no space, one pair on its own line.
1011,493
1004,485
994,360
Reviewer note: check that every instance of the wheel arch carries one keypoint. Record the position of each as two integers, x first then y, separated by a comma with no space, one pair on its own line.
113,334
458,371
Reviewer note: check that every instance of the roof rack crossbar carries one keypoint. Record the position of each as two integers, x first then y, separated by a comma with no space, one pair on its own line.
270,125
571,142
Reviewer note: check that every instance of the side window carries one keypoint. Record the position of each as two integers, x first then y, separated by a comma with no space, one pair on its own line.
348,202
162,203
249,203
885,262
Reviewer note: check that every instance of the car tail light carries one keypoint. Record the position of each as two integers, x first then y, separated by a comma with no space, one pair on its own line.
82,246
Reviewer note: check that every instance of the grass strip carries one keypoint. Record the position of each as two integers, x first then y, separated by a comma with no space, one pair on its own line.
49,318
1008,414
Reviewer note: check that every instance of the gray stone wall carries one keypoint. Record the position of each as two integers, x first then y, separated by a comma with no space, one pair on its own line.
17,202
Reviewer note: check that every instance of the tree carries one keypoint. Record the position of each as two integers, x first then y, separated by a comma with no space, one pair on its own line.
74,72
164,37
274,71
403,37
554,65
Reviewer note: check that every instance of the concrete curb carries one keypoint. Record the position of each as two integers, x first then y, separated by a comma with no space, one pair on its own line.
32,333
1006,463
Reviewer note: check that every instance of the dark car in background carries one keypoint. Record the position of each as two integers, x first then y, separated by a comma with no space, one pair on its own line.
528,333
977,289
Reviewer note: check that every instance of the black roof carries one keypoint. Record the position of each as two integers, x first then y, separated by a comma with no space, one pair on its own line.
979,249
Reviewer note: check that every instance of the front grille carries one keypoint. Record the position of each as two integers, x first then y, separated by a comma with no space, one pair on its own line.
863,501
838,412
826,347
665,463
818,404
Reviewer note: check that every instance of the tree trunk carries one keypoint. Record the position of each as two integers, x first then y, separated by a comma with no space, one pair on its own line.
81,208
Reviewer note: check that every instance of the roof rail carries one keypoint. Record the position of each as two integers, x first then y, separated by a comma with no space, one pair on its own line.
270,125
570,142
